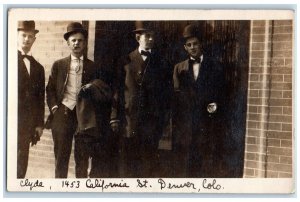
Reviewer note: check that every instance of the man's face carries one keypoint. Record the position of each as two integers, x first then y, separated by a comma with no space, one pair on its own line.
25,40
77,44
193,47
146,40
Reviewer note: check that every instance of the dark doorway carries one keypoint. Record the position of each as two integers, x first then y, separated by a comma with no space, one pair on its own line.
226,40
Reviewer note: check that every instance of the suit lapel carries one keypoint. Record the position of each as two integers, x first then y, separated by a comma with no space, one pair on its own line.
65,69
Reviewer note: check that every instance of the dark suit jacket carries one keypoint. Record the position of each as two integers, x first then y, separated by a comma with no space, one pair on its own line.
31,96
192,122
144,90
59,76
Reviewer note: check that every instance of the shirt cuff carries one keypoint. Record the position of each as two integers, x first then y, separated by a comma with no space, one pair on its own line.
54,107
114,121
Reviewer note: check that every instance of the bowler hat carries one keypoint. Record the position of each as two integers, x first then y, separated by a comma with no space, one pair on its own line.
191,30
143,26
27,26
75,27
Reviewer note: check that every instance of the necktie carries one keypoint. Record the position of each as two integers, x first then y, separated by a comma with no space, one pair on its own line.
26,56
77,65
145,53
195,61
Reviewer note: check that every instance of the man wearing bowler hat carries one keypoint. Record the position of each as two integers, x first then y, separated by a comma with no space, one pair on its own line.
199,106
67,77
31,94
143,98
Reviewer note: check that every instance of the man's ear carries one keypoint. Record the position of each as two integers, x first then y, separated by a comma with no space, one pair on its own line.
185,48
137,37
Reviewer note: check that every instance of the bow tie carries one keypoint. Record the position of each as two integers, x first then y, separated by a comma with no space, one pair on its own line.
195,61
145,53
26,56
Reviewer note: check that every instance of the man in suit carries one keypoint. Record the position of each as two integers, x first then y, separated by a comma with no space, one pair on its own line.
31,94
143,101
67,77
198,109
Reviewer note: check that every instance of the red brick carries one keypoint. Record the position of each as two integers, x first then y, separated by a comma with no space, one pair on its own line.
251,140
288,78
255,101
258,85
280,151
286,45
282,53
287,127
258,38
276,94
257,62
254,77
252,148
252,109
279,167
273,142
280,102
280,135
286,159
273,158
287,110
252,124
258,30
257,54
254,93
277,78
277,62
280,118
259,23
275,110
288,62
258,46
249,172
283,22
256,70
286,143
272,174
260,173
281,70
282,37
250,156
275,126
283,29
285,175
251,164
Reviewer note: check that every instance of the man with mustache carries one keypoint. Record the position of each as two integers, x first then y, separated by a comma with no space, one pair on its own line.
67,77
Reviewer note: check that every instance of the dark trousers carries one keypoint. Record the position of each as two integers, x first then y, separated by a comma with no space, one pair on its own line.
102,152
23,152
141,158
64,124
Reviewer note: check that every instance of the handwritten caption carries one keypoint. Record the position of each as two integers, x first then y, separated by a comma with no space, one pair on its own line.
138,185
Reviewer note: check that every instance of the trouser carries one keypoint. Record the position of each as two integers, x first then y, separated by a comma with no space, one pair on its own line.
23,153
64,124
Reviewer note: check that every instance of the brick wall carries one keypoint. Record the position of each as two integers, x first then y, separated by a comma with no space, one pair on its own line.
268,150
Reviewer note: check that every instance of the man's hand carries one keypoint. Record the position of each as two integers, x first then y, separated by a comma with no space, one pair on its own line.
115,127
212,107
39,131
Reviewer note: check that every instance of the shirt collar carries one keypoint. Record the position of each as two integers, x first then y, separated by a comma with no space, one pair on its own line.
75,58
23,53
140,50
201,58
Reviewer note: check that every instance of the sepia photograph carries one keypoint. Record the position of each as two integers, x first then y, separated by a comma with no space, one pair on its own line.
150,100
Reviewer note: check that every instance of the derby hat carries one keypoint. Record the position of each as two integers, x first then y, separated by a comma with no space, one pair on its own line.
75,27
143,26
27,26
191,30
